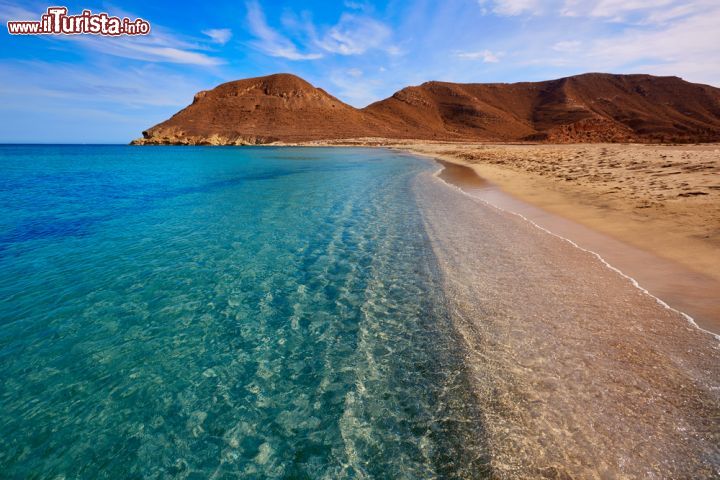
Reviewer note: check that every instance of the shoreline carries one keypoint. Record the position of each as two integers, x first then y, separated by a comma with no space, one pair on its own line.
571,367
660,251
684,226
689,293
661,198
659,228
633,281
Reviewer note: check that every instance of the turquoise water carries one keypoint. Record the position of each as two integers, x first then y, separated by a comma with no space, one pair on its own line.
200,312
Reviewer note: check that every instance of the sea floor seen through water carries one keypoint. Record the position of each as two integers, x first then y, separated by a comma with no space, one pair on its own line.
220,312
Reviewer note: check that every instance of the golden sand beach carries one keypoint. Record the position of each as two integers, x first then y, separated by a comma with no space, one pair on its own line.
665,199
652,211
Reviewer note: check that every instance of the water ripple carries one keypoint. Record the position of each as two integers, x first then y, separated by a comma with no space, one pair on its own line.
217,313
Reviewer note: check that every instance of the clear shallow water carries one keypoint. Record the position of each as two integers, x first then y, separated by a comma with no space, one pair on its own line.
196,312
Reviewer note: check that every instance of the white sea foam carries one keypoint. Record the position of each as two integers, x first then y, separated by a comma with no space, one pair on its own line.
633,281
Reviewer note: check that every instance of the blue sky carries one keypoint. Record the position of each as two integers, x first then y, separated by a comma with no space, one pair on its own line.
90,89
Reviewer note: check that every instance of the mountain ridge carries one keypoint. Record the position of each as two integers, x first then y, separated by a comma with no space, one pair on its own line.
591,107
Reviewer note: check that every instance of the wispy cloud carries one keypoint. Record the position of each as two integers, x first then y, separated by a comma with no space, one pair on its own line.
11,11
219,35
615,10
362,6
636,11
511,7
159,48
269,40
354,35
691,42
485,55
567,46
347,85
140,86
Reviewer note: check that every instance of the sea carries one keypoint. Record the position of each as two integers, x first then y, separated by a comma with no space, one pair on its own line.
223,312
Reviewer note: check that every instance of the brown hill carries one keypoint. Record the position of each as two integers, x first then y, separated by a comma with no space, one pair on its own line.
585,108
261,110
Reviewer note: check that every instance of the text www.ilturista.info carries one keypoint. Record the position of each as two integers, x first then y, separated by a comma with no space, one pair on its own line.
56,21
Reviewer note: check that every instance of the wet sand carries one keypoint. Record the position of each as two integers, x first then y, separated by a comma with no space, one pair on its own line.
686,290
579,374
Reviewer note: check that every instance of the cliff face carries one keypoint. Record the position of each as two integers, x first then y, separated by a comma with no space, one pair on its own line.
584,108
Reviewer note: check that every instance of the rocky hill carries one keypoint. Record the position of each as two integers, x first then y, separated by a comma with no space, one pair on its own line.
593,107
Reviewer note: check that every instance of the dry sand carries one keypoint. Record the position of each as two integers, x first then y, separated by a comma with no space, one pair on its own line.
664,199
651,211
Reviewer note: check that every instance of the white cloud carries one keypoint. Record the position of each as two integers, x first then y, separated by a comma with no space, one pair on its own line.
9,11
635,11
269,40
512,7
140,87
159,47
668,14
661,37
691,41
485,55
685,46
567,46
346,86
155,53
362,6
219,35
354,35
617,9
